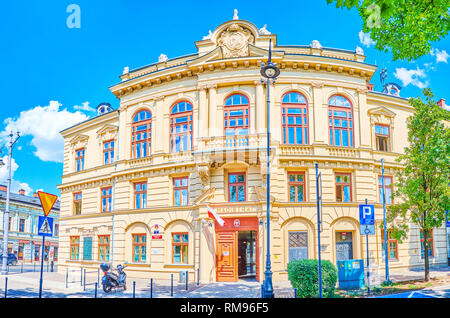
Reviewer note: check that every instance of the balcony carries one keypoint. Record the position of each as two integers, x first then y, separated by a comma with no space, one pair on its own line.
233,142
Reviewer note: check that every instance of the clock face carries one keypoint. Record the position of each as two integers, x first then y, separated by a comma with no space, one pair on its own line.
270,72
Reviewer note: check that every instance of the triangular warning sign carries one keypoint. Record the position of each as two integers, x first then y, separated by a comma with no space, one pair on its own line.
47,201
45,228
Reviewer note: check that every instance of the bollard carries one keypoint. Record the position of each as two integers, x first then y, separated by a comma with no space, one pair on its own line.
295,292
84,281
34,266
151,287
98,275
134,289
262,290
67,275
21,269
198,276
51,266
81,278
171,285
95,292
6,287
187,280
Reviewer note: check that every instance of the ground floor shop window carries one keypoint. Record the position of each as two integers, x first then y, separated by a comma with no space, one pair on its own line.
180,248
74,247
139,248
392,246
429,242
103,247
298,245
87,248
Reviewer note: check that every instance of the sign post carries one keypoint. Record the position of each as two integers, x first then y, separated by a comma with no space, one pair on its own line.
367,224
45,226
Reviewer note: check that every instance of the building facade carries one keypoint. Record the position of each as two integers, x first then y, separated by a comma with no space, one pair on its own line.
190,134
23,238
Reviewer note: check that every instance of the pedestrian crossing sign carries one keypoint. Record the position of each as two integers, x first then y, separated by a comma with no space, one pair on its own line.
45,226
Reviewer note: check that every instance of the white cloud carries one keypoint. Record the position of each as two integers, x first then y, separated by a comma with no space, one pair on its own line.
16,185
43,124
441,56
84,106
365,39
411,77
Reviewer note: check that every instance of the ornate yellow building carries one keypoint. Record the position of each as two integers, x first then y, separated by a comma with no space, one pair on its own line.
190,133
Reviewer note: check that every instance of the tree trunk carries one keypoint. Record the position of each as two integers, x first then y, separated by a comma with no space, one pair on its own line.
425,251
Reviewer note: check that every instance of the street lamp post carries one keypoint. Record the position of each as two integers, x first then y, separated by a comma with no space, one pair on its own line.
6,214
270,72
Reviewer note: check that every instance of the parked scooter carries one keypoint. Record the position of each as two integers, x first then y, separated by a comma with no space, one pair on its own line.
111,280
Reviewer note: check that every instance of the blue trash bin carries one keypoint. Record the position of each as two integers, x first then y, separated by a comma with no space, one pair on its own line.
351,274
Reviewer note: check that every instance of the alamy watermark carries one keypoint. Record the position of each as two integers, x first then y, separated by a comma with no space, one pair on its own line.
74,19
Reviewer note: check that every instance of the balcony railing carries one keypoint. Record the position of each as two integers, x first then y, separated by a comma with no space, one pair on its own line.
218,143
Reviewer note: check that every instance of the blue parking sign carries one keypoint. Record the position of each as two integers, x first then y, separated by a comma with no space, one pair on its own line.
366,214
45,226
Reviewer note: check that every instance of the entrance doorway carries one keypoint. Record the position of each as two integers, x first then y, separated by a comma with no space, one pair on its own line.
246,254
344,246
237,249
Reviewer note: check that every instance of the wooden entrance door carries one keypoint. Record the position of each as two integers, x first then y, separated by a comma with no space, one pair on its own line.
226,257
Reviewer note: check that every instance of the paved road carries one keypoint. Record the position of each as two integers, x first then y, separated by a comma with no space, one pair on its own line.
437,292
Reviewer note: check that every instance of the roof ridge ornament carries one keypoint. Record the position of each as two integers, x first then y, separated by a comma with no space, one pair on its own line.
162,58
315,44
235,17
264,31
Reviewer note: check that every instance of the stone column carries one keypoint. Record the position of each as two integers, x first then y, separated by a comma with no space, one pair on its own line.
318,116
362,132
260,108
159,138
214,126
202,124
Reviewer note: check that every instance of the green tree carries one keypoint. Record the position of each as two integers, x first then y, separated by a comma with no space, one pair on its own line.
422,187
406,27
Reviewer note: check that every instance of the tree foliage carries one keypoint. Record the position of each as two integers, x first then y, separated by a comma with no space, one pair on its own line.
422,187
406,27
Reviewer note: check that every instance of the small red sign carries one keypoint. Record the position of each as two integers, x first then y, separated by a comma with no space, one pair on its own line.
157,237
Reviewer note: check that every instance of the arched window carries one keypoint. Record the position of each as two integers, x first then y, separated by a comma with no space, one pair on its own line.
181,127
340,121
236,115
294,119
141,131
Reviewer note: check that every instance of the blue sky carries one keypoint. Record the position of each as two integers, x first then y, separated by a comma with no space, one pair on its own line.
53,75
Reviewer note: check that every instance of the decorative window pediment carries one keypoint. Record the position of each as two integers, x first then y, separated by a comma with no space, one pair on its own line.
79,141
381,115
107,132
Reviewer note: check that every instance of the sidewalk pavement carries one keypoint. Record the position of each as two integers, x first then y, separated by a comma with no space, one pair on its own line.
54,286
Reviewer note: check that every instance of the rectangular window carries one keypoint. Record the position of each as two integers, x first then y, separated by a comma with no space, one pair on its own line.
21,225
382,136
298,246
108,152
236,187
430,244
180,191
139,248
79,159
77,198
106,198
180,248
392,246
140,195
387,189
74,247
296,185
343,187
87,248
103,247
